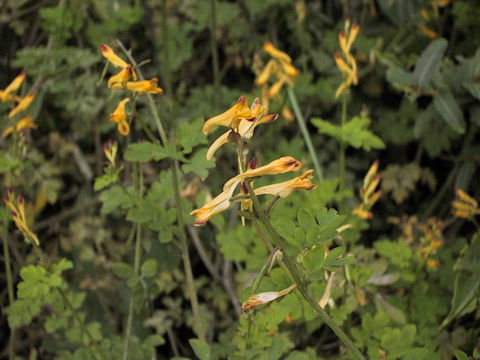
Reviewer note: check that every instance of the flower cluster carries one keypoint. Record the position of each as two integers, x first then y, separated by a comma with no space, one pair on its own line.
242,121
347,64
17,206
121,80
367,193
464,205
281,70
431,240
9,95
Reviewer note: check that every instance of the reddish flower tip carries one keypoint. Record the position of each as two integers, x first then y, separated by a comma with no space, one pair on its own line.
20,199
252,164
14,214
241,99
103,48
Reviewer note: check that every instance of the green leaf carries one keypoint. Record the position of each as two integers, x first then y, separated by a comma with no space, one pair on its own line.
286,229
467,282
355,132
305,220
471,80
201,349
123,270
153,340
460,355
199,164
149,268
314,259
9,164
145,151
105,180
332,257
190,135
428,62
449,110
114,198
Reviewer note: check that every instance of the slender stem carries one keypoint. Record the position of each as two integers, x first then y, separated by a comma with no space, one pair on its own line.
213,42
136,269
305,133
341,159
80,323
298,277
8,272
166,52
198,325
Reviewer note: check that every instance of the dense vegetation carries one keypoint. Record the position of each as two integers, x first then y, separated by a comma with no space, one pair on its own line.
240,179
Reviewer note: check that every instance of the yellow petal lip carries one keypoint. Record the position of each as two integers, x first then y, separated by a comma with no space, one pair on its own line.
119,80
108,52
123,128
22,105
145,86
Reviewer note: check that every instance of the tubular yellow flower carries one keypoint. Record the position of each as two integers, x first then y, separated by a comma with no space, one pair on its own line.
22,105
25,123
121,79
222,201
127,71
245,130
265,297
275,89
287,114
464,206
285,188
7,94
266,72
145,86
119,115
369,198
348,68
233,116
275,53
17,207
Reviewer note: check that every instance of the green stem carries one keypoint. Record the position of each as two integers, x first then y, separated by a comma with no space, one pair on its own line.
198,324
136,268
305,133
166,53
298,277
8,273
342,160
213,42
80,323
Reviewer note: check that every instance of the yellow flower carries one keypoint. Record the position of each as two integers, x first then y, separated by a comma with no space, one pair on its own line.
347,67
222,201
25,123
17,206
279,68
265,297
142,87
285,188
245,130
369,198
119,116
7,94
127,71
233,116
464,206
22,105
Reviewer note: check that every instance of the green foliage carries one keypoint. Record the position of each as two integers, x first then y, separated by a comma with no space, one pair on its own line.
355,132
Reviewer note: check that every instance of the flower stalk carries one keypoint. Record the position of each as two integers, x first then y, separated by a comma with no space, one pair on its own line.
305,133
